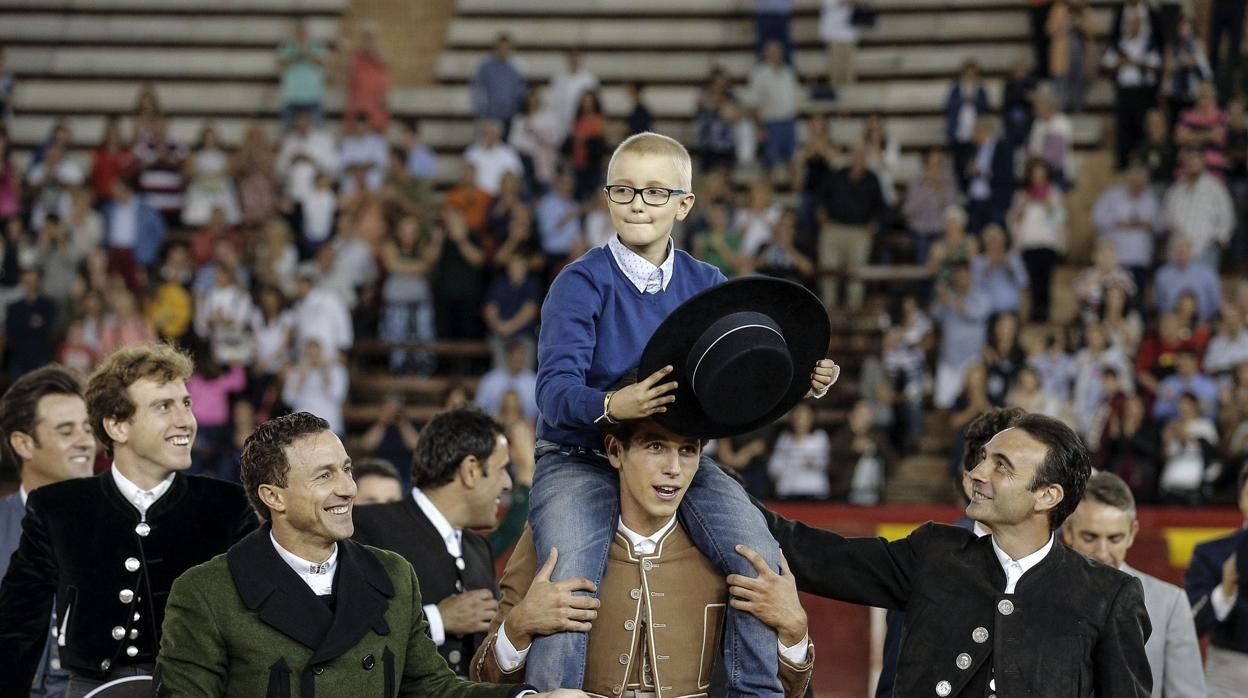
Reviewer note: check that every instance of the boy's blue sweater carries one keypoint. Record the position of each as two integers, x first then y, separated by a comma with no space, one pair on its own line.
595,324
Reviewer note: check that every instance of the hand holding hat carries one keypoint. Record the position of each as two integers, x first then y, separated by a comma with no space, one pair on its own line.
642,399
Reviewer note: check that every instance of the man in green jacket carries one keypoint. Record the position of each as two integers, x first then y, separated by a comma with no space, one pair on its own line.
296,608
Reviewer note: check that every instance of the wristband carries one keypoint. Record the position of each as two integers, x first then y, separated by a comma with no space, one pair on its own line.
606,410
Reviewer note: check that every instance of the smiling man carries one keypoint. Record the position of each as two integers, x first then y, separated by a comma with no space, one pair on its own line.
297,608
108,548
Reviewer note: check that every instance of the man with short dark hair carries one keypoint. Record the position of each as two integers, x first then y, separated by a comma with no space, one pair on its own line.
47,437
993,615
459,472
1103,527
296,607
377,482
29,326
107,548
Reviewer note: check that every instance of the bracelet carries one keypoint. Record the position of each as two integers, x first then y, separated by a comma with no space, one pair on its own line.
606,410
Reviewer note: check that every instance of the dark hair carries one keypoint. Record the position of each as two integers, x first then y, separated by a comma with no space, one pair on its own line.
981,430
1066,462
1109,489
264,453
449,438
107,395
378,467
19,407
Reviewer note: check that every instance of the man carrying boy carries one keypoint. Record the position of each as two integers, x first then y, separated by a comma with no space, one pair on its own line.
597,318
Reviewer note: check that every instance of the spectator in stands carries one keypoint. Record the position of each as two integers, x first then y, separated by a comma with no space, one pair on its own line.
162,179
1054,367
362,146
392,436
59,136
1127,216
1029,394
1195,327
1187,379
598,225
19,252
275,258
1003,357
272,326
124,325
1187,67
999,272
1052,137
422,162
29,326
1135,63
377,481
971,402
85,225
754,223
1122,323
800,458
317,383
110,160
522,241
468,200
91,313
368,80
771,23
640,118
407,301
10,180
1203,127
1229,347
929,195
715,122
720,243
954,247
513,374
852,207
988,177
320,314
535,137
1157,152
210,388
1093,283
1199,210
1226,18
813,164
403,194
256,176
566,87
781,257
491,158
134,235
1184,274
966,103
348,263
558,216
302,89
586,146
1038,14
223,318
1091,362
1016,98
511,309
498,87
862,459
905,366
318,209
457,279
305,151
775,94
1072,53
840,36
170,307
50,183
146,113
1233,419
1189,441
211,186
883,156
962,312
1038,226
59,260
204,242
1142,12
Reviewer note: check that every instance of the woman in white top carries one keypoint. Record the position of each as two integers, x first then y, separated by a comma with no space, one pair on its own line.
211,185
799,461
223,318
883,156
318,385
1038,226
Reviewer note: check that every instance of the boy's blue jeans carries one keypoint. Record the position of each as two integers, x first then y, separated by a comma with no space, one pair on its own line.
574,506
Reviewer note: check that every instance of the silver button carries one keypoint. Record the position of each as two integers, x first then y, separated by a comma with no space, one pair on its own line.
943,689
459,562
136,616
624,659
647,565
459,586
132,564
454,656
615,690
629,625
143,529
992,695
126,596
980,635
964,661
635,593
132,651
104,665
134,633
1005,606
119,632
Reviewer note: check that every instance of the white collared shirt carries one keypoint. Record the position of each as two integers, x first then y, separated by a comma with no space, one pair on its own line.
21,492
510,659
644,275
318,576
141,499
452,538
1015,569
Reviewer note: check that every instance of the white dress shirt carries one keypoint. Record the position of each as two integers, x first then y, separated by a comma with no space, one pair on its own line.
141,499
510,659
318,576
1015,569
452,538
644,275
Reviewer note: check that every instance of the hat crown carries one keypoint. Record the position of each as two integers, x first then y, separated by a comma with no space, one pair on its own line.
740,367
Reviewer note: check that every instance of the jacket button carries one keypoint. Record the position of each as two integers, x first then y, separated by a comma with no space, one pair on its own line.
104,665
647,565
132,651
125,596
615,690
964,661
368,663
318,669
454,656
132,564
629,625
980,635
143,529
624,659
943,689
134,633
1005,606
119,632
635,593
136,616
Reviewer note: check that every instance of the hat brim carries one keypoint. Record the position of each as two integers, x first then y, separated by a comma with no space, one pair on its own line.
803,321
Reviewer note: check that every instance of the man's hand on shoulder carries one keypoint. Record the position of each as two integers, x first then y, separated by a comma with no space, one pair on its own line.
770,597
551,607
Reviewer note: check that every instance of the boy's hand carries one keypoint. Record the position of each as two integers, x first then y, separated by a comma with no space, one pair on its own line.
825,374
643,399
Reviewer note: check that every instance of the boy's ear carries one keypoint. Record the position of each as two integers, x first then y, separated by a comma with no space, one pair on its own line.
615,451
684,206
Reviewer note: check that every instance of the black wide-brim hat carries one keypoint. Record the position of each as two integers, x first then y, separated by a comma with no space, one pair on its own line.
741,352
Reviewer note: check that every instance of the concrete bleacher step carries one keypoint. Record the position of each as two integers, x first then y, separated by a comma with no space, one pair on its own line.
801,8
219,31
196,7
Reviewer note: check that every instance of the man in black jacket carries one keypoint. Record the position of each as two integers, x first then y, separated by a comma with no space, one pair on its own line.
107,548
459,472
1009,614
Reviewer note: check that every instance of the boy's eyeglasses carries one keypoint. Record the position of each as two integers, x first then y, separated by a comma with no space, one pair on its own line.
652,196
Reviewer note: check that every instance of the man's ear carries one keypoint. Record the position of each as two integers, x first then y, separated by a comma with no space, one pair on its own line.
273,498
23,445
117,430
469,471
1049,496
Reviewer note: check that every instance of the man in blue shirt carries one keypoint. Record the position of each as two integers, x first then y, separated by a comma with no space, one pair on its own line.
1184,274
498,87
998,272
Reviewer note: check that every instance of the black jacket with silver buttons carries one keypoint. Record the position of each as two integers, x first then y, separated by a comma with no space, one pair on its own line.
108,569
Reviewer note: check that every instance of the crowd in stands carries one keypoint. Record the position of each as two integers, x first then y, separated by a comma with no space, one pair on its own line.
270,259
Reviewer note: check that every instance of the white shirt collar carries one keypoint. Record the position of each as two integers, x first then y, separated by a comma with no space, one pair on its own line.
980,530
645,545
318,577
644,275
452,537
141,499
21,492
1023,565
